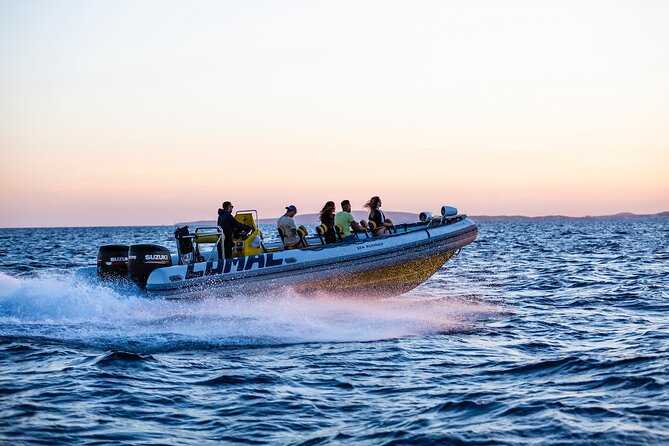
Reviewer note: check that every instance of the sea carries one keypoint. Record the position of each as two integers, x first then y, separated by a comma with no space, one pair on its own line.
540,332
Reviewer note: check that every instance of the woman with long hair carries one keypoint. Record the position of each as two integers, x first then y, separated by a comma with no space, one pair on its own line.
327,217
377,216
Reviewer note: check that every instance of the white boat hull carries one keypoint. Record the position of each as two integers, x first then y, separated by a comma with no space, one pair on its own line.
379,266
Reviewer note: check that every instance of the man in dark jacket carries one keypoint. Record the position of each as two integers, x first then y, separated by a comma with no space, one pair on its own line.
228,223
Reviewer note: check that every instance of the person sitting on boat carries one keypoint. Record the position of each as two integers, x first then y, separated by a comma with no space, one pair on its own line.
327,217
286,222
228,223
345,219
377,216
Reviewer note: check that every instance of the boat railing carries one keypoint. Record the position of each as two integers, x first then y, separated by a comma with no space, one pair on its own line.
188,243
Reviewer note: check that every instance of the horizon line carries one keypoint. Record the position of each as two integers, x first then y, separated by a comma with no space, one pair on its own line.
485,216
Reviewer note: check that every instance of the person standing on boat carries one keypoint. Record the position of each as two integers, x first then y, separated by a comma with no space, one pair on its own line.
377,216
327,217
286,222
228,223
347,222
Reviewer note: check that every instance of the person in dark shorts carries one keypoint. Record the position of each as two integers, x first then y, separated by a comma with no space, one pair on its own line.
228,223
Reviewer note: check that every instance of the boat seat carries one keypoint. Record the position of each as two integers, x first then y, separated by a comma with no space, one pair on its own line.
372,228
392,229
371,225
207,238
302,233
320,231
339,231
282,235
368,228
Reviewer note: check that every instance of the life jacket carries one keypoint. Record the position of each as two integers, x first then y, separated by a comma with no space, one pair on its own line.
383,217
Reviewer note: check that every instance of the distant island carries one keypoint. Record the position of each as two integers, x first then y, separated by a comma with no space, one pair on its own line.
409,217
618,216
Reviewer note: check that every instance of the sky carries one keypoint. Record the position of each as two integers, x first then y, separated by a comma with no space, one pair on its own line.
154,112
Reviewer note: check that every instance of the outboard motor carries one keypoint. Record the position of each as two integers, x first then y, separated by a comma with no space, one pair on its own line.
143,259
113,261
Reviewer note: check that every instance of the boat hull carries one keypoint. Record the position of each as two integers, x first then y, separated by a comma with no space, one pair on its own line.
374,267
385,281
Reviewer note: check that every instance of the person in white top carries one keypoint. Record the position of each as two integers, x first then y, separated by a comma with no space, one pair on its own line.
286,222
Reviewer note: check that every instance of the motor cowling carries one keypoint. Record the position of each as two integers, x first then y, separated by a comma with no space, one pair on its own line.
143,259
113,261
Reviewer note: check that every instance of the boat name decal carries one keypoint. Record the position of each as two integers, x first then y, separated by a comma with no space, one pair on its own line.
239,261
240,264
371,245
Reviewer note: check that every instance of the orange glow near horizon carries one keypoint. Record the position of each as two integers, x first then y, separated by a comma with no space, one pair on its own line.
134,114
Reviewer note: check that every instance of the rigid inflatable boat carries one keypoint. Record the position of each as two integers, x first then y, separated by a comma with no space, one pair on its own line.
368,266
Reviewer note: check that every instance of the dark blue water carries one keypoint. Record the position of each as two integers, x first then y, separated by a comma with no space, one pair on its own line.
538,333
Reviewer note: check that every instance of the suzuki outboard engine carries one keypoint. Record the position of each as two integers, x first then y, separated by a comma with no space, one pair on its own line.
113,261
143,259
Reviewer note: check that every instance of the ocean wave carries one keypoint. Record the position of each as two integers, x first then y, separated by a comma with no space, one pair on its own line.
540,332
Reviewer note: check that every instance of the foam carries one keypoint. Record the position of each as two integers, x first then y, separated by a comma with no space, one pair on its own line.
67,307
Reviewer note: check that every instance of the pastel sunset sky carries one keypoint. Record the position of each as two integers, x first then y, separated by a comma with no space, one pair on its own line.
154,112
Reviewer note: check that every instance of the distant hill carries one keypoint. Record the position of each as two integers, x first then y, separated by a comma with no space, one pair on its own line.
618,216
